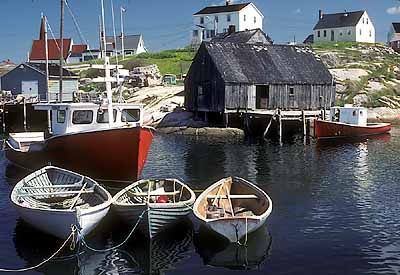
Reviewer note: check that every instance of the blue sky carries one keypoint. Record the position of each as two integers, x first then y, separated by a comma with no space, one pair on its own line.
167,24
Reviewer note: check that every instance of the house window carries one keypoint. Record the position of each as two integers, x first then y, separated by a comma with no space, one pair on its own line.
325,33
195,33
291,91
102,116
360,31
130,115
363,20
216,19
202,20
60,116
349,32
367,21
255,19
225,30
370,33
82,117
244,18
340,33
228,18
319,33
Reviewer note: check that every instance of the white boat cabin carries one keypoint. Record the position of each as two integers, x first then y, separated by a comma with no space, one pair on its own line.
69,118
349,115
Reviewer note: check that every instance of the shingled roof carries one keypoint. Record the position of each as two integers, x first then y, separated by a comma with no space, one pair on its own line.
339,20
131,42
54,69
248,36
267,64
220,9
396,27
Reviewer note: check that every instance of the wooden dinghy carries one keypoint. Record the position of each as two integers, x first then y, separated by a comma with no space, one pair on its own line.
52,199
233,207
162,203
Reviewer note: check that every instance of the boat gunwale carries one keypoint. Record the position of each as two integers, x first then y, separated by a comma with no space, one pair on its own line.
368,126
186,203
203,195
77,210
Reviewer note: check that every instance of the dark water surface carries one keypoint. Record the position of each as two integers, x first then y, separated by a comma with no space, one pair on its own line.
335,211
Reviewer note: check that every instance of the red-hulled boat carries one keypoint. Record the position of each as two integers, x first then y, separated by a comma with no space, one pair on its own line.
348,122
83,141
106,142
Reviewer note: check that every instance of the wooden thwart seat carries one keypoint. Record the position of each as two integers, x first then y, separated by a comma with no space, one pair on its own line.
56,193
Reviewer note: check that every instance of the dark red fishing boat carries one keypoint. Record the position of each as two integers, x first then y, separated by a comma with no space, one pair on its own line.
348,122
82,140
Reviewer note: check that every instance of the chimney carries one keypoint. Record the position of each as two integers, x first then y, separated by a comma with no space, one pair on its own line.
231,29
321,14
228,2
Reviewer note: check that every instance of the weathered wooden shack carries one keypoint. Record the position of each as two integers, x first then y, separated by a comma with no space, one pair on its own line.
237,77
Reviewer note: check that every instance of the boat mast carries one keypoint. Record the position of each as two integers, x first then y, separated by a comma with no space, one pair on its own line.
61,48
44,18
103,31
122,33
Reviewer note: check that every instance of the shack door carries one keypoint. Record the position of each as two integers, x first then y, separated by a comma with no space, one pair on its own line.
262,96
30,88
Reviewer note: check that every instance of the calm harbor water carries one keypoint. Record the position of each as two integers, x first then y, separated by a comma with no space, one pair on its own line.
336,211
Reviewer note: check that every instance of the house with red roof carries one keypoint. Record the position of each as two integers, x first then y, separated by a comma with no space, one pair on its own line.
71,53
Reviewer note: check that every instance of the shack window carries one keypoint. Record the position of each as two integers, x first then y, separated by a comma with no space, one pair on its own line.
319,33
228,18
102,116
291,91
216,19
82,117
60,116
325,33
130,115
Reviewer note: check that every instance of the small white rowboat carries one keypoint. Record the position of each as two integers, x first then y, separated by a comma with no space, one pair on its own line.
162,202
52,199
233,207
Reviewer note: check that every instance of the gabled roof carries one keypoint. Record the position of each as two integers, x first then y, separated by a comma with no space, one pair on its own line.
131,42
309,39
221,9
249,36
267,64
54,69
396,27
77,50
339,20
38,51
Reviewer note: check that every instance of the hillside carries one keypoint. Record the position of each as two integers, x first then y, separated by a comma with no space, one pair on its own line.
367,75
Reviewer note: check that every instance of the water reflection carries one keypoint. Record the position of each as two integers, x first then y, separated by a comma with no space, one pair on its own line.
216,251
138,256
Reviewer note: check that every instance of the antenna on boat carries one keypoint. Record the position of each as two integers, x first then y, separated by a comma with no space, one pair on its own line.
61,48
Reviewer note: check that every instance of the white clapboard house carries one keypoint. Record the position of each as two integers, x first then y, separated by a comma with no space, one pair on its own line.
354,26
214,20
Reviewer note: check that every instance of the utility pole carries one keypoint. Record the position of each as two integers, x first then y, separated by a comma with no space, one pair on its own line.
61,48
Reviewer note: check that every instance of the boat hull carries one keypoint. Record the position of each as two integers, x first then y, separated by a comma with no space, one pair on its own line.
328,129
106,155
156,217
235,229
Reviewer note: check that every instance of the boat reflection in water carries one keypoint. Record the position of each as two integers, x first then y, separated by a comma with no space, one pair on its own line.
138,256
216,251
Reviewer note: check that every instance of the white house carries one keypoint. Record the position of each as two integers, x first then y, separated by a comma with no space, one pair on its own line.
133,44
219,19
394,37
347,26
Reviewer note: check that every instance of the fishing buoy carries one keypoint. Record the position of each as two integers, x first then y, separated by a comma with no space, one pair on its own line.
162,199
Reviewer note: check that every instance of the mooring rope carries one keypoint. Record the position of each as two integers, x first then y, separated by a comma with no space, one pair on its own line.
72,235
82,239
246,236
